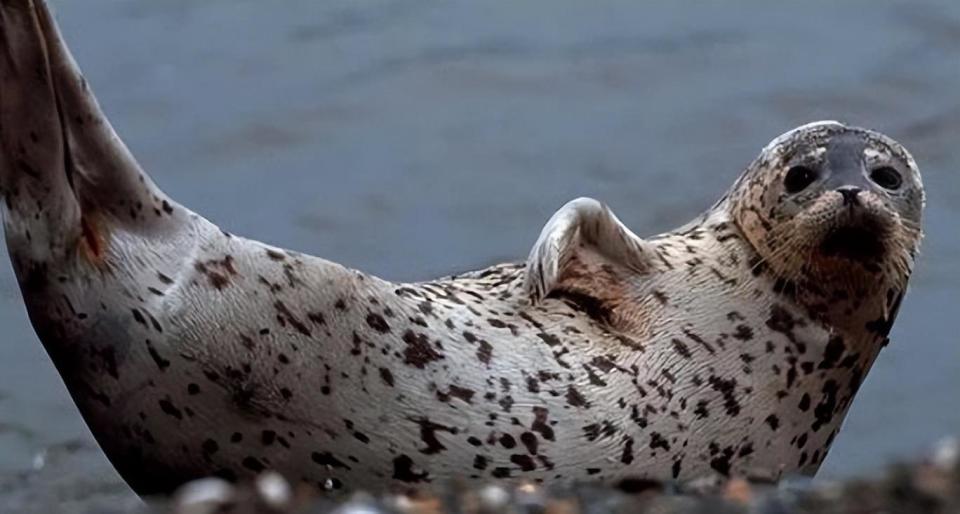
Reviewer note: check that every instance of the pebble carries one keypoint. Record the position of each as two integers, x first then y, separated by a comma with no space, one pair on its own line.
929,484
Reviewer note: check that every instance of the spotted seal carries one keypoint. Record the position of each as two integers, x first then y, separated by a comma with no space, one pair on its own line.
733,344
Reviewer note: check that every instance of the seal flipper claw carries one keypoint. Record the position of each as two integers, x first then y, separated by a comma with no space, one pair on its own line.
583,222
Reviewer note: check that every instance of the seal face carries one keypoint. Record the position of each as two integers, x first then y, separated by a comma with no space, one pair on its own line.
826,202
733,344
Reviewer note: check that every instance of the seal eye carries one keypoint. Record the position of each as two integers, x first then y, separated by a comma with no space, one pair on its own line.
798,178
886,177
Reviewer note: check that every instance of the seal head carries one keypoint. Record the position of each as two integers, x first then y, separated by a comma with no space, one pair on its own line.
828,202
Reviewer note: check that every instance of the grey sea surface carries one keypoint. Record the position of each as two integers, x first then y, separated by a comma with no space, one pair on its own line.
413,139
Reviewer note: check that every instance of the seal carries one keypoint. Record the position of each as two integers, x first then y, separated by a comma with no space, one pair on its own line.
734,344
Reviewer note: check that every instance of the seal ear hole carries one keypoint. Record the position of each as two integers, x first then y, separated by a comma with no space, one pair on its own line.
886,177
798,178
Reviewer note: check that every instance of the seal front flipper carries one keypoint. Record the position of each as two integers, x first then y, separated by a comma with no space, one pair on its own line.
582,229
65,177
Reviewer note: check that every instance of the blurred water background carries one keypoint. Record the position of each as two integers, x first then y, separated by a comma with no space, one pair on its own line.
413,139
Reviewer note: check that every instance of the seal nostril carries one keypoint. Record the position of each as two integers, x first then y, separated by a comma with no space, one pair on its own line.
849,195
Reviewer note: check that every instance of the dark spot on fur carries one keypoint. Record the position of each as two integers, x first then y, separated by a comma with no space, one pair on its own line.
524,461
533,385
681,348
495,323
603,429
462,393
377,322
162,364
627,456
253,464
550,339
386,376
773,421
700,341
575,399
267,437
327,459
428,434
658,441
832,353
701,410
530,441
169,409
721,463
285,314
540,423
743,333
782,321
825,410
727,389
210,447
660,297
419,352
484,352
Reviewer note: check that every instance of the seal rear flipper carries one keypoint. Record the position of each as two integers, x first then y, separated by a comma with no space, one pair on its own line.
42,215
580,228
65,176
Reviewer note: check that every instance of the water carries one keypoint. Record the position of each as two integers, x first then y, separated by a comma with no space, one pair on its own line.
415,139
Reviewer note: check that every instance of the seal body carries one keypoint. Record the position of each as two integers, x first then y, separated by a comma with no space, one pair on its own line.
190,351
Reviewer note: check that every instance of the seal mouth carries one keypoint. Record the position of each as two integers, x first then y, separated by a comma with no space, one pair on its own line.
856,243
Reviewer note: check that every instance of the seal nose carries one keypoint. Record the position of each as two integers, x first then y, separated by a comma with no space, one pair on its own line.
849,194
